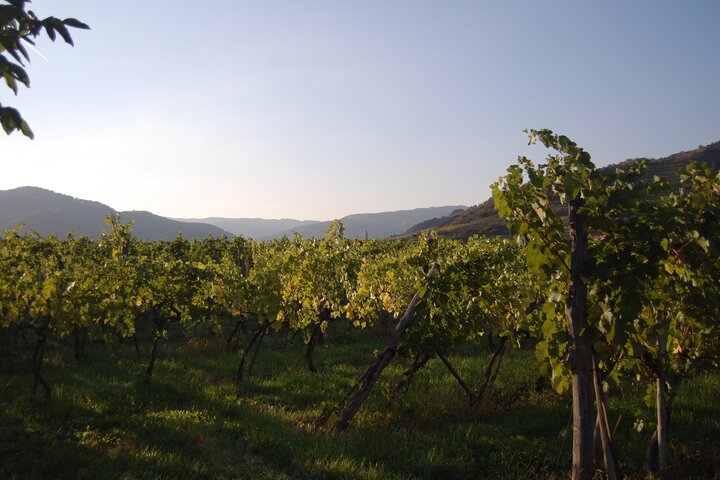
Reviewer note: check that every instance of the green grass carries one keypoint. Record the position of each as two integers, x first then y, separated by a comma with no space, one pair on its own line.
192,422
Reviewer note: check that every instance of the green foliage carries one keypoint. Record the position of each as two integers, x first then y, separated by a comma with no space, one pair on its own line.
650,277
18,29
646,250
315,288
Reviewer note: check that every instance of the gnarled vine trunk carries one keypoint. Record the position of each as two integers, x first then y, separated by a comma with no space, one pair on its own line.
160,323
255,339
80,336
581,360
38,356
491,371
314,336
231,344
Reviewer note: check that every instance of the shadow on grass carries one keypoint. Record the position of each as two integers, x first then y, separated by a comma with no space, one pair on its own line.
189,423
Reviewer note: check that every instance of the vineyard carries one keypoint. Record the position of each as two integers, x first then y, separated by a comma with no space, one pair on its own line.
588,342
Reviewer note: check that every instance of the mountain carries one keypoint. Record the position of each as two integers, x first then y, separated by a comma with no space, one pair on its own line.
377,225
482,219
48,212
256,228
149,226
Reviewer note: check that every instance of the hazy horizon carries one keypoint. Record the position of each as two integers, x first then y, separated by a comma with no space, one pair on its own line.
195,219
318,110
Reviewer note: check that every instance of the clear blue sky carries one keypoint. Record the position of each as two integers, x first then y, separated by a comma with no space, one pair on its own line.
319,109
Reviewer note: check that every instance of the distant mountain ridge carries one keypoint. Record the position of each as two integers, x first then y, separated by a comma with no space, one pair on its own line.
256,228
482,219
376,225
48,212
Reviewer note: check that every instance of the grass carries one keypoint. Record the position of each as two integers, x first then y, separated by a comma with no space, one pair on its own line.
192,422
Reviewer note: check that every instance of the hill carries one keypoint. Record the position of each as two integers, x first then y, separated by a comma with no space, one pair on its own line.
48,212
482,219
377,225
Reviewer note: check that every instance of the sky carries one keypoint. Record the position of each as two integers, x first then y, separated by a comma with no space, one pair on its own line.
320,109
